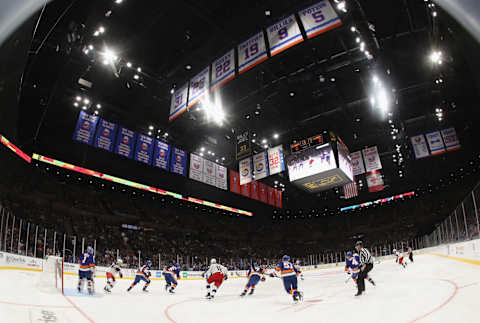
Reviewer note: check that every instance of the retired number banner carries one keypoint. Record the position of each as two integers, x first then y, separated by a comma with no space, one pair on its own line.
196,167
209,175
179,102
105,137
319,18
125,142
221,177
435,143
450,139
85,129
199,86
243,145
419,145
251,52
223,69
372,160
276,163
283,35
357,163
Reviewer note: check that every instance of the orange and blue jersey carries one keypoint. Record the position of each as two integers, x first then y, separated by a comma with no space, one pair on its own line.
172,270
286,268
143,271
352,265
255,271
87,262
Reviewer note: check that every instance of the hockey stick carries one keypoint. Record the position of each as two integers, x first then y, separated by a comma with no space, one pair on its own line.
349,277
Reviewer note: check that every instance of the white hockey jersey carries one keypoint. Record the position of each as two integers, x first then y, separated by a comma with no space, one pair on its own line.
115,269
215,268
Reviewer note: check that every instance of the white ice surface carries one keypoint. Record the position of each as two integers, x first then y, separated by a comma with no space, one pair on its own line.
433,289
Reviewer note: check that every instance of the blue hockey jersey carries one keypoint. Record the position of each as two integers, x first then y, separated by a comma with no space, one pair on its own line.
353,263
286,268
252,271
87,262
172,270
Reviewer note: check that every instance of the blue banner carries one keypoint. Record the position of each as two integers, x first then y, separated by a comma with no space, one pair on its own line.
85,129
125,142
144,149
105,136
178,164
161,156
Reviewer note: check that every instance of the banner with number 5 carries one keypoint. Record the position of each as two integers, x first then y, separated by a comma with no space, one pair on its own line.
223,69
251,52
283,35
319,18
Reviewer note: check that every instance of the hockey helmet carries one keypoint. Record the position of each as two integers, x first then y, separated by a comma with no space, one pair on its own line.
213,261
286,258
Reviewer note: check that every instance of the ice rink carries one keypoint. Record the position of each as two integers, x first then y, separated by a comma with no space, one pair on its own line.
433,289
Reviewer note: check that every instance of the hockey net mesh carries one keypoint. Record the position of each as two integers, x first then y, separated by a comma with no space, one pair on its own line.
51,277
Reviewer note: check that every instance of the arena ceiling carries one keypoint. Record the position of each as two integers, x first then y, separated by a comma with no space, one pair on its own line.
320,84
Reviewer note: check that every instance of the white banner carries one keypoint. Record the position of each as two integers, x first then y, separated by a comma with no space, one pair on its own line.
196,168
319,18
221,177
372,160
223,69
251,52
179,102
276,163
419,145
357,163
283,35
450,139
344,160
245,170
435,143
209,175
260,165
375,181
199,86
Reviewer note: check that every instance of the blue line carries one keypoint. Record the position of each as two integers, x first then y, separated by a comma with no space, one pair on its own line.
285,41
252,59
325,23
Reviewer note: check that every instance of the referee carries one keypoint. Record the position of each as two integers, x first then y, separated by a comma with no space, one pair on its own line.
366,264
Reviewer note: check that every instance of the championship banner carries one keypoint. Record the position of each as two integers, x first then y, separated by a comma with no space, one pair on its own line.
435,143
283,35
161,155
125,141
243,145
245,169
374,181
234,182
85,129
223,69
179,102
262,189
450,139
144,149
270,195
254,194
196,168
245,190
276,163
105,137
419,145
357,163
199,86
260,165
209,175
319,18
372,160
221,177
278,198
251,52
178,164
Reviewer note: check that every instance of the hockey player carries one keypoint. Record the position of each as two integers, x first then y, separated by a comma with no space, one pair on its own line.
171,274
215,275
351,267
297,264
87,271
115,268
255,274
143,273
399,258
289,273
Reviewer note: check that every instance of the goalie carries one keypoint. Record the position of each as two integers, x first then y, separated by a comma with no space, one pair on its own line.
86,272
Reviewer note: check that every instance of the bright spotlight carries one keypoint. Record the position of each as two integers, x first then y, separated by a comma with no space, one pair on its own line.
353,29
436,57
342,6
78,98
136,77
101,29
86,101
275,136
139,69
202,149
99,106
76,104
150,127
109,55
265,146
264,141
129,65
118,1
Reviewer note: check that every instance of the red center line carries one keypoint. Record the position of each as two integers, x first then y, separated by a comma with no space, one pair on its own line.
79,310
448,300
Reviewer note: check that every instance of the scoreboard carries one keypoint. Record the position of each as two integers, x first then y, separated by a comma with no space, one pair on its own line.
306,143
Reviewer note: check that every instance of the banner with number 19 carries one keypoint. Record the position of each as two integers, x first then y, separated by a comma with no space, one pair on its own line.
251,52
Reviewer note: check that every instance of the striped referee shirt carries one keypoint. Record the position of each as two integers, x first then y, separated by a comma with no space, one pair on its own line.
365,257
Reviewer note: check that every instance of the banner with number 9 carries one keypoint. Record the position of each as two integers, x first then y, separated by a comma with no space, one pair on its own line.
319,18
283,34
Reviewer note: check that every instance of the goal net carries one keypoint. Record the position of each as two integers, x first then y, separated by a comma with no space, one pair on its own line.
51,277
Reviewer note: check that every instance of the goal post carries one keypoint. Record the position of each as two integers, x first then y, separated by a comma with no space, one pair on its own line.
52,276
